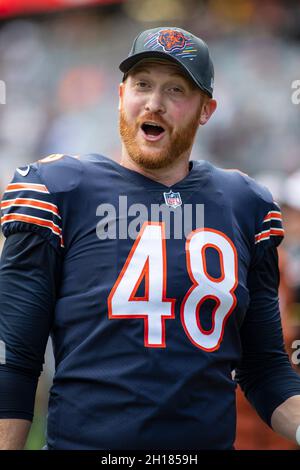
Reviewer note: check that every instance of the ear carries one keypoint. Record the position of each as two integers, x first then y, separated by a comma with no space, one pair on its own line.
208,108
121,93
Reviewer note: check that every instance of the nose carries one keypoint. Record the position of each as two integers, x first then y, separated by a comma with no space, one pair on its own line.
154,103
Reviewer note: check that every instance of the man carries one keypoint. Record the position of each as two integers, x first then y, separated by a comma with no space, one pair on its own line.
149,312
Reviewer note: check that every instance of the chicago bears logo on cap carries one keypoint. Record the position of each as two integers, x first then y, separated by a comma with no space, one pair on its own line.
171,40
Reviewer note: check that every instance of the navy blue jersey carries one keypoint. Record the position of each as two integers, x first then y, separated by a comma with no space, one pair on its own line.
147,329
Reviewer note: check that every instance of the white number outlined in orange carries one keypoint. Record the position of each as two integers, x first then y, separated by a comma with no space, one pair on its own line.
147,260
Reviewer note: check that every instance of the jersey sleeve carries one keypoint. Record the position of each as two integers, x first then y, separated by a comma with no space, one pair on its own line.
265,373
40,199
29,206
270,231
30,271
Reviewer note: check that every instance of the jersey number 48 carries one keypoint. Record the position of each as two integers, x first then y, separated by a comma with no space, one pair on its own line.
147,260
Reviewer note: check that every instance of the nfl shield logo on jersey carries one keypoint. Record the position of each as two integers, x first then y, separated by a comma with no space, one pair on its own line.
172,199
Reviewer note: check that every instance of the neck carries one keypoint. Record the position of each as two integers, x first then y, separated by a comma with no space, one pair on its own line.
167,176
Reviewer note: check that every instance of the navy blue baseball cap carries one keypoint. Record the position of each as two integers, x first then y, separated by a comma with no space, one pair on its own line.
179,46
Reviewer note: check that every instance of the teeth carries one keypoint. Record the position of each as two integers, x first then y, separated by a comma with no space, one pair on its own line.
149,123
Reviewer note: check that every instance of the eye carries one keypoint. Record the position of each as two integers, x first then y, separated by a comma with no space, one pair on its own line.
141,85
176,90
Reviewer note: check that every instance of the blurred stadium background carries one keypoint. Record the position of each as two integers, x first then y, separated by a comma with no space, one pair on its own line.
59,71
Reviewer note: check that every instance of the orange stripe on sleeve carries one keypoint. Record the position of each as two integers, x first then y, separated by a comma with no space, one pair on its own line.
273,215
32,220
27,186
30,203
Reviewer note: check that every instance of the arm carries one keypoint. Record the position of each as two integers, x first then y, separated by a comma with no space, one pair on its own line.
13,433
286,418
265,373
29,274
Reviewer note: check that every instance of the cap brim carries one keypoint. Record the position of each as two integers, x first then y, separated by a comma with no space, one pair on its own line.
128,63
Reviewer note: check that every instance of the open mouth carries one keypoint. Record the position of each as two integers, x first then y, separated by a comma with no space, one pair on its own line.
152,131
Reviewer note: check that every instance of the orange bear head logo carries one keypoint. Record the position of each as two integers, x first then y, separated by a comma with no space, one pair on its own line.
171,40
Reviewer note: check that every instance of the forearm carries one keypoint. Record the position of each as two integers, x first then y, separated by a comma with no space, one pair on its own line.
286,418
13,433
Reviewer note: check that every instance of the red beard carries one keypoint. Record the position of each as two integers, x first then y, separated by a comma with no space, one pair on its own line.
152,159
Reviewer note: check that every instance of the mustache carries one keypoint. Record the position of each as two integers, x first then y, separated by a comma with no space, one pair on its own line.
156,118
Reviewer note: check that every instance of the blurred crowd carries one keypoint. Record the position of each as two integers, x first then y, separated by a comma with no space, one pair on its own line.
61,77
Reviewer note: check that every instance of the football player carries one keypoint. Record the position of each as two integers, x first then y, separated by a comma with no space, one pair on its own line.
156,278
